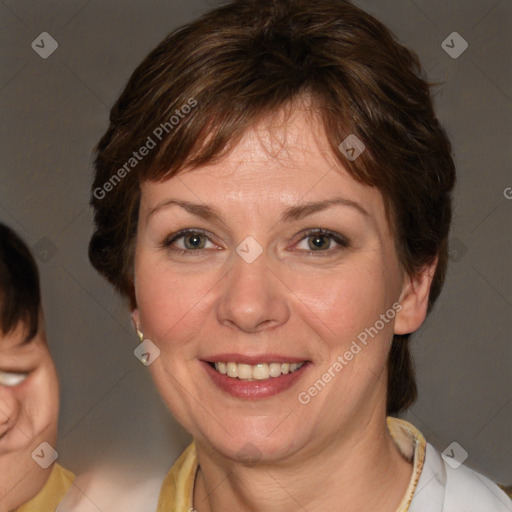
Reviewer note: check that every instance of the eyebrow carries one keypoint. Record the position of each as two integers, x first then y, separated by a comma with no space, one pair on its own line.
291,213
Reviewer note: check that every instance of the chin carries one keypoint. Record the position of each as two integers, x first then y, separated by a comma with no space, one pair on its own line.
248,445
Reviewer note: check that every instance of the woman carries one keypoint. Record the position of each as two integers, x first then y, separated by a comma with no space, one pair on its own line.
30,480
273,196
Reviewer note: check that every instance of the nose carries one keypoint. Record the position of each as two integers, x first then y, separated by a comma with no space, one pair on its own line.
9,410
254,298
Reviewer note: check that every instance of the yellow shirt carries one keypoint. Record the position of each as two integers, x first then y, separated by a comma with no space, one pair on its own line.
177,491
51,494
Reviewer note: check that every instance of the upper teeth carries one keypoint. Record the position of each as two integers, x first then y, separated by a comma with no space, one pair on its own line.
257,371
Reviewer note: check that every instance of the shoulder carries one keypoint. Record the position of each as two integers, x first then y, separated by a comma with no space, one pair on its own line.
473,491
178,486
110,486
444,487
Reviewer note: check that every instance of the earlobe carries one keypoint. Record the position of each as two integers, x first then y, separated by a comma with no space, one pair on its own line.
414,300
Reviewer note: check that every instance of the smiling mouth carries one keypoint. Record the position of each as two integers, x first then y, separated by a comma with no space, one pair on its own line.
251,372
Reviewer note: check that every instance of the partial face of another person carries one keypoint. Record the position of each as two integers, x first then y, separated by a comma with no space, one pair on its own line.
29,403
244,261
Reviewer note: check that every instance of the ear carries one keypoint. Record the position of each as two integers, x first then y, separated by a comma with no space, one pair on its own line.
414,300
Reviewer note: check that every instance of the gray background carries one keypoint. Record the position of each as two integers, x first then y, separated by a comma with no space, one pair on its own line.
54,111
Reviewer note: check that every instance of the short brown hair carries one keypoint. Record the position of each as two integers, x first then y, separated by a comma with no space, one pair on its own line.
20,295
248,59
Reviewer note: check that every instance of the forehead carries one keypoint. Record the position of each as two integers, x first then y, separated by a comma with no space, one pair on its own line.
284,159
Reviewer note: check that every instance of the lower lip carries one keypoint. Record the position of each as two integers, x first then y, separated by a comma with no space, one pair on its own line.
254,389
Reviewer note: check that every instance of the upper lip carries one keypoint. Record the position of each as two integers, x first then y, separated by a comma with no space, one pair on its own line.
253,359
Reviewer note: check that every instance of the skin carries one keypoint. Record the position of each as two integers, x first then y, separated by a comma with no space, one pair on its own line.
28,415
335,453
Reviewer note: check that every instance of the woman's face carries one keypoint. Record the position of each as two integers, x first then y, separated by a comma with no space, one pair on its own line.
29,404
255,282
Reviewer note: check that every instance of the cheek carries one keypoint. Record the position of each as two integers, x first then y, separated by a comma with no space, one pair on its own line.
343,309
344,301
40,401
171,303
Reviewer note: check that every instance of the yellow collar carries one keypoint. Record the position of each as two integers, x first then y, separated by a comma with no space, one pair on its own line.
177,492
51,494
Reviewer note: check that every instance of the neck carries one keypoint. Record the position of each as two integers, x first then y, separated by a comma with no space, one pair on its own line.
362,471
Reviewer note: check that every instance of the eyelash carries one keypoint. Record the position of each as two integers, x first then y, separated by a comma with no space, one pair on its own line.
342,241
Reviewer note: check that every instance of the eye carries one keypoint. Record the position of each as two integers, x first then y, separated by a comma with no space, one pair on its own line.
11,379
321,240
188,241
194,240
